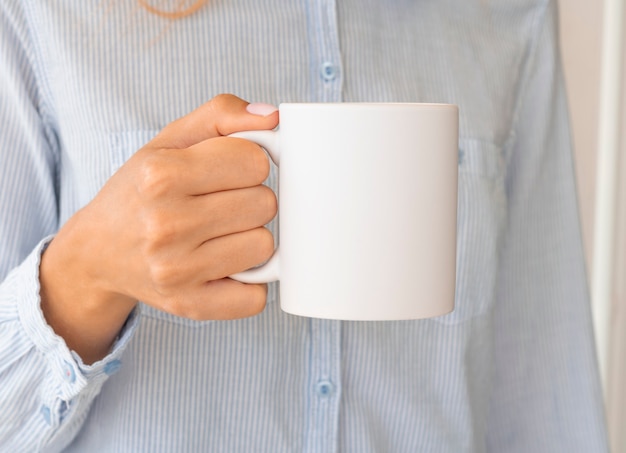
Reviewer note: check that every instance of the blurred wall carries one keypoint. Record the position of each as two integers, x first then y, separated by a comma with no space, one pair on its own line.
581,36
581,44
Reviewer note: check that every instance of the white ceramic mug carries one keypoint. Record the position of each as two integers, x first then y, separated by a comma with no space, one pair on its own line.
367,210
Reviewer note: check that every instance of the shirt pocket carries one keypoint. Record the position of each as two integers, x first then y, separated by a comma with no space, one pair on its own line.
481,216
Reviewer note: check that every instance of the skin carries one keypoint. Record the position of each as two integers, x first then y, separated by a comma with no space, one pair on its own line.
186,211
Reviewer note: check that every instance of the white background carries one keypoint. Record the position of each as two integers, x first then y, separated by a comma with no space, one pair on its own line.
581,42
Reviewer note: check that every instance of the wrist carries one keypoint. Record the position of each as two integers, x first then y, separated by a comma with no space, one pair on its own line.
87,316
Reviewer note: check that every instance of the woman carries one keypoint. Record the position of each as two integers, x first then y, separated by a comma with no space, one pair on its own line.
108,200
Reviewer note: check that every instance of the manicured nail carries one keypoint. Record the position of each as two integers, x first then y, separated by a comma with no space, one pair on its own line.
258,108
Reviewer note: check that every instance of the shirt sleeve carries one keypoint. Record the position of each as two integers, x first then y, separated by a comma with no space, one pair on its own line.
546,396
45,389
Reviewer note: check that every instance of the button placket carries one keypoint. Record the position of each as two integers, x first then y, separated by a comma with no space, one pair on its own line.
326,57
325,386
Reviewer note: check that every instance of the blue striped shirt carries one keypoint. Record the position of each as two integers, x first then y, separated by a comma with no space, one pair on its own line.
84,84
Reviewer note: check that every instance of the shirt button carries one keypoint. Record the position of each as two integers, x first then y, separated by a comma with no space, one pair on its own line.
45,412
68,373
324,388
112,367
329,71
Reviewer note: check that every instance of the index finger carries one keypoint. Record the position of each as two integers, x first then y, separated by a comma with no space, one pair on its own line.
222,115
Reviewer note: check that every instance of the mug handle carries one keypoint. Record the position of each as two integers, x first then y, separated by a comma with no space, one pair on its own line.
269,271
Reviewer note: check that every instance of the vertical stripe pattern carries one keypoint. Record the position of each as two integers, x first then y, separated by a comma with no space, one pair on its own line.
84,85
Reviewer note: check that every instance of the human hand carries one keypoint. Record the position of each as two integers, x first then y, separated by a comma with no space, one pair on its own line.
186,211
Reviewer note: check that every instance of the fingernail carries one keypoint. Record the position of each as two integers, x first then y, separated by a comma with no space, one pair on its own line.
258,108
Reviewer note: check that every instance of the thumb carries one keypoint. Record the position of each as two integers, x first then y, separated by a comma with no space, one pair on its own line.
222,115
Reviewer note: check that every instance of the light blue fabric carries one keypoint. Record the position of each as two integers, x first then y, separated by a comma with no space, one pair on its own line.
84,84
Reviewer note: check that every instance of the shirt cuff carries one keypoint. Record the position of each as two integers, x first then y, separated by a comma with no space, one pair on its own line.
70,376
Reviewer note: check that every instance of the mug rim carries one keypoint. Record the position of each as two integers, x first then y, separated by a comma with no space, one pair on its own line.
436,105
